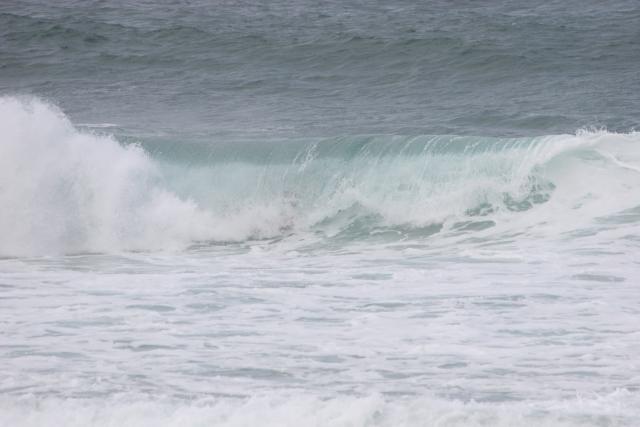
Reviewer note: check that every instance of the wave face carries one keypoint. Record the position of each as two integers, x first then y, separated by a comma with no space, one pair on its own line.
72,191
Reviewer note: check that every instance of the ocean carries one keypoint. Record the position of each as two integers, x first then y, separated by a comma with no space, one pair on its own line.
341,213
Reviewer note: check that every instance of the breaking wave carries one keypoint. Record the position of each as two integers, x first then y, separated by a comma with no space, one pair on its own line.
65,190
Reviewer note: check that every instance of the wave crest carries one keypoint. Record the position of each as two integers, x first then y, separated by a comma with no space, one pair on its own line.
68,191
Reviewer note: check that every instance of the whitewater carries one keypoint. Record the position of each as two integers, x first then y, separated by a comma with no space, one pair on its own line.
366,280
76,191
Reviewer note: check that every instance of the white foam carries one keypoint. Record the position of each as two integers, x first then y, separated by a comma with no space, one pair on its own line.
283,411
65,191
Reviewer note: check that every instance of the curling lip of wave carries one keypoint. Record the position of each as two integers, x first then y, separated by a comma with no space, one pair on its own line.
71,191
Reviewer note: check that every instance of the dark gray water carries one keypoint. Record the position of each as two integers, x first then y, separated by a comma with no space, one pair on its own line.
307,68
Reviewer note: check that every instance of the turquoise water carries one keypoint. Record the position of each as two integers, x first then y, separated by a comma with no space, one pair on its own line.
346,214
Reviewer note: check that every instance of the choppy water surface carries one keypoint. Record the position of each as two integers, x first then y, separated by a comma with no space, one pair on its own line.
383,337
332,68
306,215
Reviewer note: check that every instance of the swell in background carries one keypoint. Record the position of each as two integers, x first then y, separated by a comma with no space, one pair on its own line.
301,69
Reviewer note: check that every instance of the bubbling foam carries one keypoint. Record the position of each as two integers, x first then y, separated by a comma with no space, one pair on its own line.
618,408
64,191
